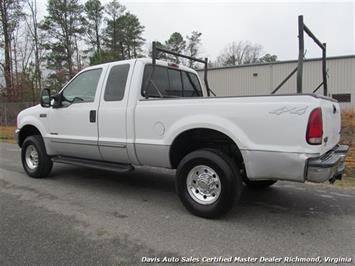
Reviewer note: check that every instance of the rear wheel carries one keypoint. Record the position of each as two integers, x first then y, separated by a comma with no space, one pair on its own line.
208,183
34,157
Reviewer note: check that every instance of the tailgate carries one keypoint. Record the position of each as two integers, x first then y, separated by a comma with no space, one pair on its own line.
331,124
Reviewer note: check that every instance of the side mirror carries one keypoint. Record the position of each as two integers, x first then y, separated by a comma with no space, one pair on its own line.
56,101
45,98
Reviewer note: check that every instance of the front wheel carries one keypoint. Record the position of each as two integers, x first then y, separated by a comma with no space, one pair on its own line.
208,183
34,157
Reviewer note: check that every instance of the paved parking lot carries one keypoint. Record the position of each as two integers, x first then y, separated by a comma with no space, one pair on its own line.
91,217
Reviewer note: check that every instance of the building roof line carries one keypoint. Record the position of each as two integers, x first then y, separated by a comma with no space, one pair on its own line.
281,62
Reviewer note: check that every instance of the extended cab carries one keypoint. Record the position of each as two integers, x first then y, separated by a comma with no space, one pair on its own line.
138,112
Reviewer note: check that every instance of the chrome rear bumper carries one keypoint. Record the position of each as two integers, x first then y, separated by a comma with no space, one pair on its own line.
329,166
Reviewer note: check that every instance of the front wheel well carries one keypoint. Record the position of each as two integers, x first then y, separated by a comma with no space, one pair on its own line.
201,138
27,131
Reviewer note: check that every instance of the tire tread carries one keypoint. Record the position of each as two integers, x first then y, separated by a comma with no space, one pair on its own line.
45,162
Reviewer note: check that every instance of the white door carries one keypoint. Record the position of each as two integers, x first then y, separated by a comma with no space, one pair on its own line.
112,113
73,126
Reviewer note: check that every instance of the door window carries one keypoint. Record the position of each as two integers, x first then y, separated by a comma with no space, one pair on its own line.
83,87
116,83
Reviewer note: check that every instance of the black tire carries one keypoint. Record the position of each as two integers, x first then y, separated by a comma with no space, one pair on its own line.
229,176
259,184
44,165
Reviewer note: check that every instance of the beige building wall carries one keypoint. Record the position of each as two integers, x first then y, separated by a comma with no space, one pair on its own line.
263,79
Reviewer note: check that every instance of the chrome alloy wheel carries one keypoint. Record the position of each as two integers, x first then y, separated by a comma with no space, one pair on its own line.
203,184
31,157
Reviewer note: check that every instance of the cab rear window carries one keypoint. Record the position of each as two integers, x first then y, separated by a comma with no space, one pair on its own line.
168,82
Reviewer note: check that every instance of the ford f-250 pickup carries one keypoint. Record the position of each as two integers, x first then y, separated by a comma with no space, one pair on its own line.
118,115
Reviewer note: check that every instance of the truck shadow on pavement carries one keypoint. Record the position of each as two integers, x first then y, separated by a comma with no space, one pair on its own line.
156,185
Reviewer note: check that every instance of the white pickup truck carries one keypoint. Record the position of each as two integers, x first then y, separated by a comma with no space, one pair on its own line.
122,114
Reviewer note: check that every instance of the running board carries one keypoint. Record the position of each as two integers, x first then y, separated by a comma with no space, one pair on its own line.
116,167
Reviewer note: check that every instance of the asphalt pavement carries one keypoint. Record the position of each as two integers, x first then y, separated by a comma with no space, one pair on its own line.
82,216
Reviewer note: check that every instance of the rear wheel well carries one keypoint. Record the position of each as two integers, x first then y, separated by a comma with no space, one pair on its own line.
27,131
199,138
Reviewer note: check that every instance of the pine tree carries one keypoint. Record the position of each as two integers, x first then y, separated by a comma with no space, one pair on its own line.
177,44
94,15
62,24
114,10
130,35
123,33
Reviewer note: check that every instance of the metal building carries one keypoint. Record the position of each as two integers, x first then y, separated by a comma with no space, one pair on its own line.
261,79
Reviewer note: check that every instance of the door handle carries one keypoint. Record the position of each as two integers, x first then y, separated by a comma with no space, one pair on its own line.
92,116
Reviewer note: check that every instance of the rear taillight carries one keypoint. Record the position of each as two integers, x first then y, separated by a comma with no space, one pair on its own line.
314,133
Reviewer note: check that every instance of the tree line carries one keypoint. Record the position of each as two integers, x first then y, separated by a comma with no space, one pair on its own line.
47,52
